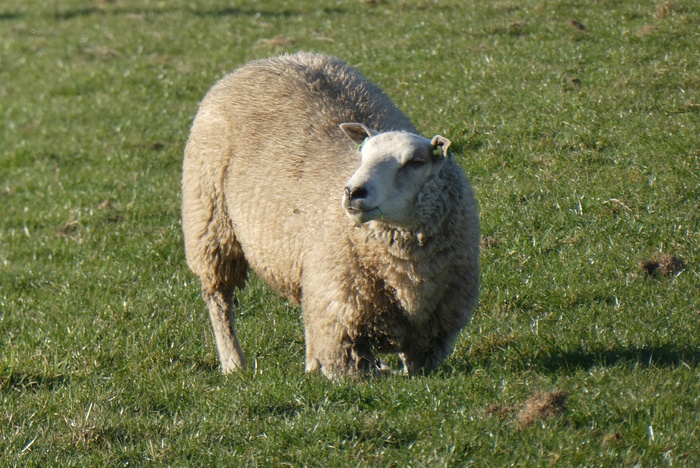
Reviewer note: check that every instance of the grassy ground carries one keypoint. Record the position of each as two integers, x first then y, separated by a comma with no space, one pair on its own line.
579,124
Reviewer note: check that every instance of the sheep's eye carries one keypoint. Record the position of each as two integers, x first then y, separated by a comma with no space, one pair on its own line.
416,163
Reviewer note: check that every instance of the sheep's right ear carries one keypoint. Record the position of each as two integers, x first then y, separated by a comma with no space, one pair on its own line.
440,145
357,132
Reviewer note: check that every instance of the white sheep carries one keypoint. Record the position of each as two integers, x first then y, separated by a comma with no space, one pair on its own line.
303,170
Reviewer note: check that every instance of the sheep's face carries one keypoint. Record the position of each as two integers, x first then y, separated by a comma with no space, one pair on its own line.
394,168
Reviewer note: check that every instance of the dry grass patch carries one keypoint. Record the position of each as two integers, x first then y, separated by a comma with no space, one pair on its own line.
278,41
664,10
646,30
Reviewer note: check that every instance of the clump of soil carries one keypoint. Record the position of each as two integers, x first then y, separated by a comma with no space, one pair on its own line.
646,30
579,26
663,265
613,439
542,405
490,241
665,9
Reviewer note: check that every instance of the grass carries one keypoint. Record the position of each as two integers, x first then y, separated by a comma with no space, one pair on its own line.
578,123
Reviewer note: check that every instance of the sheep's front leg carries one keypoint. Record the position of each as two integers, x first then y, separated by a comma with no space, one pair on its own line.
327,342
334,347
221,312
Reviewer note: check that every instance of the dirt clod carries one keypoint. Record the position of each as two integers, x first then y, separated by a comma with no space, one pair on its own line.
664,10
490,241
663,265
577,25
613,439
646,30
542,405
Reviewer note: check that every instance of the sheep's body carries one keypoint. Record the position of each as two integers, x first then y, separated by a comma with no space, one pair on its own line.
264,174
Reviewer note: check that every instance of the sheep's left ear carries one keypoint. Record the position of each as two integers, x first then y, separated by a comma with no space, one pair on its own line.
440,145
357,132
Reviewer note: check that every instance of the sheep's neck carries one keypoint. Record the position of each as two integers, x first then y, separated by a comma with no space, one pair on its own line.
397,258
402,244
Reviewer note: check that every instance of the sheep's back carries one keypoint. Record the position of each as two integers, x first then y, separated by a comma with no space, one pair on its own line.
287,160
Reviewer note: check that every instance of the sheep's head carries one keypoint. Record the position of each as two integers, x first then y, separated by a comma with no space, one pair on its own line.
395,168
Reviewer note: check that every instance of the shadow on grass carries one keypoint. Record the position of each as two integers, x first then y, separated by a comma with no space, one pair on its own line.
70,14
377,434
280,409
270,14
556,361
664,356
7,16
239,12
25,382
195,364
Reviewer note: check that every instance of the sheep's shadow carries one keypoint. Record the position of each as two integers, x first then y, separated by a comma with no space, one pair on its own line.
661,356
7,16
30,382
668,356
69,14
261,12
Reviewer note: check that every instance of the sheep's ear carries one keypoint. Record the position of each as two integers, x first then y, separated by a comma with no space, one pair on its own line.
357,132
440,145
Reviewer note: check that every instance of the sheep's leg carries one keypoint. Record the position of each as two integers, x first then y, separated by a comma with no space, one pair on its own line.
218,260
335,342
221,311
330,349
363,359
213,252
326,349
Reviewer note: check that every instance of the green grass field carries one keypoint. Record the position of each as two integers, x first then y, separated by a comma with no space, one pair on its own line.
579,125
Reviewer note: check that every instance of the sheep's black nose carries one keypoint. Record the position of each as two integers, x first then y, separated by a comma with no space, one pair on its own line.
356,193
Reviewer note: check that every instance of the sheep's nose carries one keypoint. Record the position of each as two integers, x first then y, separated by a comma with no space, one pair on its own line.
356,193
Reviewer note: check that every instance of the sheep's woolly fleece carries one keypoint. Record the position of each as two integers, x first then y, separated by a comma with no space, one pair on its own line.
387,263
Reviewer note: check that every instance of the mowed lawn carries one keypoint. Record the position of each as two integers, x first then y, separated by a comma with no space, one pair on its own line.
578,123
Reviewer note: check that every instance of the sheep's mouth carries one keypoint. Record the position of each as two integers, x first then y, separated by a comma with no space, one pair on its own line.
360,215
358,211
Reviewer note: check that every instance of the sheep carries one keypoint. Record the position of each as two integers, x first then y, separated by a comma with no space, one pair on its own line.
301,169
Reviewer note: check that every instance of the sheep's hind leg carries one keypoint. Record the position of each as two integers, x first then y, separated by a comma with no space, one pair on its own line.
221,311
222,269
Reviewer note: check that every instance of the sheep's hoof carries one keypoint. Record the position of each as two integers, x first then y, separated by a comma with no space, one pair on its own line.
383,369
231,365
371,367
313,365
